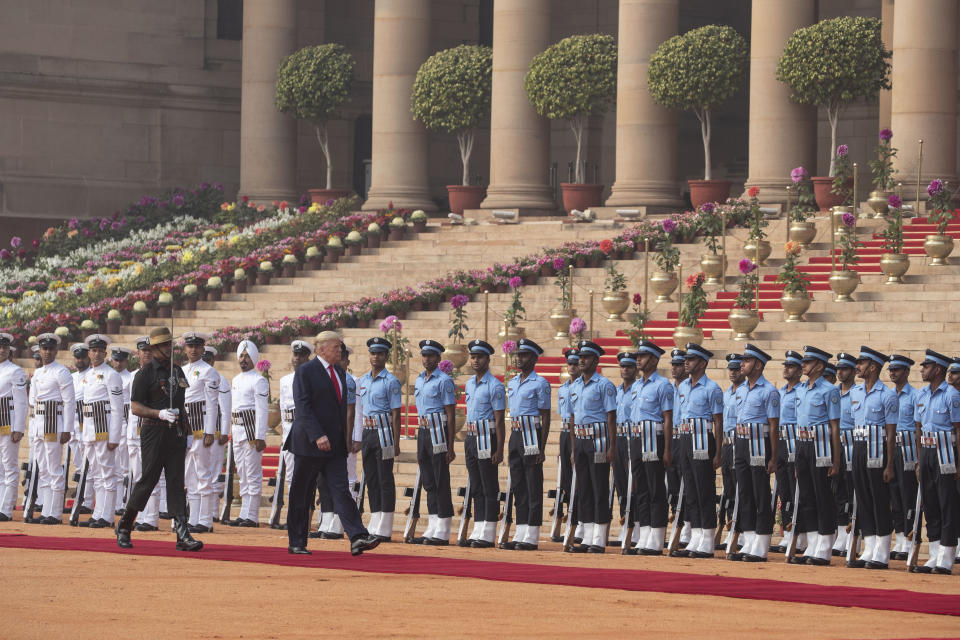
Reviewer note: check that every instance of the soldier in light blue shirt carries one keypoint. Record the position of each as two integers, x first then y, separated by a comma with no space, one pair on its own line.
483,445
843,481
436,404
938,416
903,493
595,427
621,464
528,398
786,451
678,373
699,401
732,398
818,458
565,409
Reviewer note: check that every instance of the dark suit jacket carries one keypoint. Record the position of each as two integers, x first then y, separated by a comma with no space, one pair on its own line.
317,411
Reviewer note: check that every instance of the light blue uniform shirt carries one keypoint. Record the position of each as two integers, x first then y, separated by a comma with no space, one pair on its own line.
528,396
378,394
624,403
937,410
877,406
351,390
732,398
788,404
593,400
434,393
907,398
564,408
702,400
484,397
846,410
759,404
652,396
817,405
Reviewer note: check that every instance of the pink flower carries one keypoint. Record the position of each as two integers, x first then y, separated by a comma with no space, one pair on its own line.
15,242
886,135
637,299
848,220
508,346
707,207
747,266
558,263
577,325
842,151
263,366
389,323
669,225
446,366
798,175
894,201
458,301
935,187
515,282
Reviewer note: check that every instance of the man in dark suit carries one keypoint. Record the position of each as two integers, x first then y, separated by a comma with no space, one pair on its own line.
318,442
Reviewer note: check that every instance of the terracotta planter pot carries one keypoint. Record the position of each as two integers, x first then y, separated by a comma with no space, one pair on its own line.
251,279
419,226
547,270
465,197
416,306
272,339
264,277
164,311
86,333
433,305
138,319
239,286
190,303
214,295
702,191
826,198
289,270
320,196
581,196
332,256
353,250
580,262
314,263
396,234
373,240
530,279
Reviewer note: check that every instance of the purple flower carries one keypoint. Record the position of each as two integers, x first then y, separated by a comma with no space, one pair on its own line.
885,135
218,186
104,223
558,263
329,202
894,201
304,199
747,266
5,254
669,225
935,187
78,291
178,200
116,225
446,366
707,207
842,151
577,325
204,186
36,243
301,209
15,242
72,223
509,346
798,175
848,220
515,282
458,301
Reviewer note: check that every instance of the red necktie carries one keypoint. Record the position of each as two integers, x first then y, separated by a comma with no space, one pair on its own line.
336,384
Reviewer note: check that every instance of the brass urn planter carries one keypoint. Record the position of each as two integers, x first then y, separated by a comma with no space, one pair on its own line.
560,318
712,266
938,247
879,203
615,303
683,335
803,232
457,354
743,322
511,333
794,305
843,283
894,265
663,284
750,251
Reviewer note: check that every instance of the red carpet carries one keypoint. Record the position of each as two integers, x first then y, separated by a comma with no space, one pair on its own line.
625,579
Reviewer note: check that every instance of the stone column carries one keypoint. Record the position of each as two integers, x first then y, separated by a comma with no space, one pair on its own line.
783,135
519,138
267,137
401,43
886,33
924,78
646,132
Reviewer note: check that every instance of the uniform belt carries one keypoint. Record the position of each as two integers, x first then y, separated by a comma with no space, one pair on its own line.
195,414
586,430
374,421
784,433
930,441
808,434
684,427
900,436
743,430
425,419
472,427
247,419
636,428
727,440
862,433
564,426
623,428
515,424
287,415
6,415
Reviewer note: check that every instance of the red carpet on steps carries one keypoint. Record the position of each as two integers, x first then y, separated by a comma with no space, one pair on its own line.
625,579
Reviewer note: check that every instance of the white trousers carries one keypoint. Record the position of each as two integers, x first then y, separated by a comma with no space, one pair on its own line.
250,475
101,477
121,467
200,483
9,474
49,456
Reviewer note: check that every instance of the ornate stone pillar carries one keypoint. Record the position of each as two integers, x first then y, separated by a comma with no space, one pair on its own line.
267,137
924,101
783,135
401,43
646,132
519,138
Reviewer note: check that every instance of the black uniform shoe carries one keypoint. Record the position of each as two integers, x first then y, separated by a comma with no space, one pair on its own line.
651,552
314,535
437,542
856,564
679,553
123,539
819,562
777,548
480,544
143,526
250,524
577,540
921,568
735,556
165,515
719,547
837,553
51,520
99,523
123,529
798,560
383,539
898,555
941,571
299,551
417,540
700,554
556,538
629,551
526,546
199,528
752,558
281,527
84,511
595,548
464,543
232,523
4,517
510,545
876,565
185,541
326,535
364,543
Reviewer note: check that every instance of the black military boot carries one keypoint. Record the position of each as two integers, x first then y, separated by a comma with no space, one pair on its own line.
123,529
185,542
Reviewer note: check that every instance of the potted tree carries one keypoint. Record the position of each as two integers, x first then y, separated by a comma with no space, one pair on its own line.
451,93
561,315
802,229
894,262
585,67
312,83
757,247
795,300
455,351
514,313
615,298
881,168
844,281
692,307
698,71
938,246
743,317
832,64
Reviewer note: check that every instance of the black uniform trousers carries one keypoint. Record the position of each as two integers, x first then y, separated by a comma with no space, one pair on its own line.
435,476
874,517
786,479
526,480
941,503
816,508
673,474
621,467
484,484
842,486
903,494
700,483
566,471
754,512
377,473
650,487
593,483
161,450
306,470
729,475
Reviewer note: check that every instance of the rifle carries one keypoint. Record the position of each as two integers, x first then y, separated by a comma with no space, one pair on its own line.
854,541
413,511
792,547
464,513
277,503
914,536
227,485
557,510
734,521
361,488
627,516
504,532
30,493
677,521
571,513
81,490
66,481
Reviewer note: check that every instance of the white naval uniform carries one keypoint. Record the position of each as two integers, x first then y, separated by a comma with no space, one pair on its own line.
13,419
78,449
102,390
250,392
286,410
203,389
216,458
121,466
51,384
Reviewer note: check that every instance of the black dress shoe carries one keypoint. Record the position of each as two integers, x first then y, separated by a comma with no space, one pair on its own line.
921,568
383,539
482,544
819,562
876,565
700,555
595,548
281,527
679,553
364,543
199,528
940,571
735,556
326,535
752,558
314,535
777,548
682,545
556,538
577,540
798,560
837,553
417,540
99,523
4,517
651,552
629,551
165,515
464,543
84,511
510,545
123,539
580,548
437,542
526,546
232,523
299,551
250,524
856,564
719,547
51,520
143,526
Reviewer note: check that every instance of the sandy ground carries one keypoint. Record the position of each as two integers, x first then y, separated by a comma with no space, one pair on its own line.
103,595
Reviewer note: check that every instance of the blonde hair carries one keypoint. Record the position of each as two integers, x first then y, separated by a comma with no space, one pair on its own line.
326,336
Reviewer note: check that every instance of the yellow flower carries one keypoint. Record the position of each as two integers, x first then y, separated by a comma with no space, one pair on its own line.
187,256
313,208
29,293
232,207
234,239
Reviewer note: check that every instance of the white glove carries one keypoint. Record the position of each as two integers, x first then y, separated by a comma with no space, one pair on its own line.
168,415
